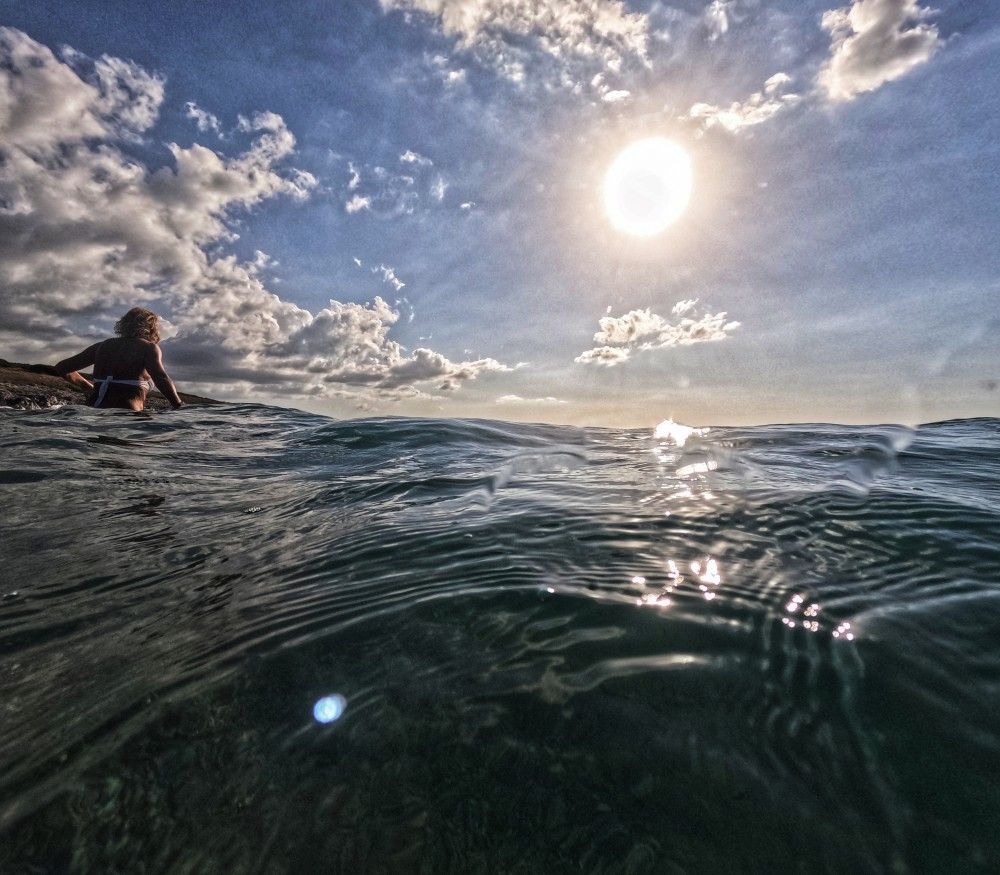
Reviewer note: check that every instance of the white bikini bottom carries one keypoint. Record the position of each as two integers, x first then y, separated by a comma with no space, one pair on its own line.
106,381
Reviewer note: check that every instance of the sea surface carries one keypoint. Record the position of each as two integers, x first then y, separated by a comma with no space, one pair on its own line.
251,640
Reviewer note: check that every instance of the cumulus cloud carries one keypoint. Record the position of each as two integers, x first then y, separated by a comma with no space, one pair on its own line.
759,107
513,36
633,327
620,336
874,42
45,98
349,344
87,230
205,120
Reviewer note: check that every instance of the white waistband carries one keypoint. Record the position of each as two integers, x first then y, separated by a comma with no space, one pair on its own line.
106,381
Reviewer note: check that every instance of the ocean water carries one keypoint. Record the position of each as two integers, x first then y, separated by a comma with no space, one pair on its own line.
243,639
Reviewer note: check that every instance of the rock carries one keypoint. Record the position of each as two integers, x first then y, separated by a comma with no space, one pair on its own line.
34,387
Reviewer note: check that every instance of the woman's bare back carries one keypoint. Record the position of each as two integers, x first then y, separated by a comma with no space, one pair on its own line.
123,358
129,359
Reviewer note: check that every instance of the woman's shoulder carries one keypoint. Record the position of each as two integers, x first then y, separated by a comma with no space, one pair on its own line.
128,343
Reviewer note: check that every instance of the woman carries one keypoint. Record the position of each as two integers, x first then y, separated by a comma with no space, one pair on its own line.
123,364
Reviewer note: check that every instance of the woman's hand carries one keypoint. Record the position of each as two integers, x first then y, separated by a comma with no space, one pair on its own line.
68,367
78,379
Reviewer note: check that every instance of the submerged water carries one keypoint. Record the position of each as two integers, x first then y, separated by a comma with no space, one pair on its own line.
537,649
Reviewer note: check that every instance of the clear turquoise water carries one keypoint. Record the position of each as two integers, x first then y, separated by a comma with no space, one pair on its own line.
770,649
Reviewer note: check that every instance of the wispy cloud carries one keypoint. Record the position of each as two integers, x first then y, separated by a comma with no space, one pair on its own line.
717,17
874,42
609,356
389,276
511,37
355,178
517,399
389,193
205,120
411,157
438,188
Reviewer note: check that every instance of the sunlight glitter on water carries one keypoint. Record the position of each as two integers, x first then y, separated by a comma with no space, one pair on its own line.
508,655
674,431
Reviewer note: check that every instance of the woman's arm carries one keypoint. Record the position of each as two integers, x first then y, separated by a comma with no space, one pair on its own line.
68,368
154,367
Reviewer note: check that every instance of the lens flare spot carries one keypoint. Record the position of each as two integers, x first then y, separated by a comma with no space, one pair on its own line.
329,708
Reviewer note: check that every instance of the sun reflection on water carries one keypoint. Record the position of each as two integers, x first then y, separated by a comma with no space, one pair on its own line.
674,431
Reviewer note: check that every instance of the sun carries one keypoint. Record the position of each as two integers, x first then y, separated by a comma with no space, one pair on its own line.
647,187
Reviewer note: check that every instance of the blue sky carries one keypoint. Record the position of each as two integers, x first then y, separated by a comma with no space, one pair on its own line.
844,215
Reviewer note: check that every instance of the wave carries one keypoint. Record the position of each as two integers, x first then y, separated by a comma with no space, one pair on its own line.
557,648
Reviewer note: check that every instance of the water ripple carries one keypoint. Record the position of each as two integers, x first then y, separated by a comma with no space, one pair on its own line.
546,649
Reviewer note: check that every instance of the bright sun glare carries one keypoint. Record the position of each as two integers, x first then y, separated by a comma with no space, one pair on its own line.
647,187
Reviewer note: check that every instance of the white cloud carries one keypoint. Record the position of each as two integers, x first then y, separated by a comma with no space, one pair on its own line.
438,188
634,327
874,42
717,17
355,178
89,230
620,336
411,157
358,203
609,356
388,193
777,83
349,344
512,35
205,120
389,276
467,205
450,76
517,399
46,98
618,96
759,107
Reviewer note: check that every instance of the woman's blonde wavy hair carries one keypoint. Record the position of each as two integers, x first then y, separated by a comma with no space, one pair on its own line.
141,323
